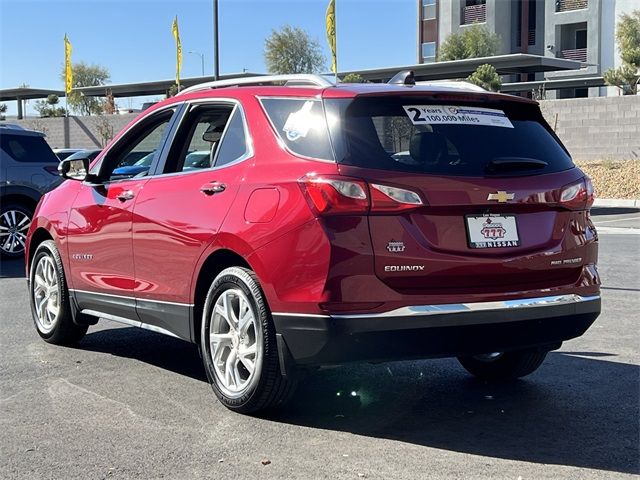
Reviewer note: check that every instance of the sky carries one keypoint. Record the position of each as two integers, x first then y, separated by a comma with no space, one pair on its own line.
133,40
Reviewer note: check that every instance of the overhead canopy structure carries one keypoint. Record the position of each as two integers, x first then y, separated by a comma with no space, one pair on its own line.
555,84
156,87
26,93
515,63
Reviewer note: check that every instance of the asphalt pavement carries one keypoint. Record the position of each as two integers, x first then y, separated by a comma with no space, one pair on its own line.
129,403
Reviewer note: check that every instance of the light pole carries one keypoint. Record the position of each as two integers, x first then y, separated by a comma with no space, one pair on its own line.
216,65
201,59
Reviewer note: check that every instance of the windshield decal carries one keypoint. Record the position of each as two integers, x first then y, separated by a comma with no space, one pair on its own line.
452,115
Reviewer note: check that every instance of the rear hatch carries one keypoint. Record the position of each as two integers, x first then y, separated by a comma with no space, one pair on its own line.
500,201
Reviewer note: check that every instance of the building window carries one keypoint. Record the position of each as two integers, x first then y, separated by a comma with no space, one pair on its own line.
568,5
429,50
474,11
428,9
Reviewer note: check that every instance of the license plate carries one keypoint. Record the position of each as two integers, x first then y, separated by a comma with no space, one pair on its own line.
492,231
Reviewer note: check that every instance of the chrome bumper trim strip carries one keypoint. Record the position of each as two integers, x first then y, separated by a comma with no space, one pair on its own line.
449,308
444,309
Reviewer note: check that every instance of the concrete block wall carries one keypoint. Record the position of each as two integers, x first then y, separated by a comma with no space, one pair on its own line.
597,128
76,132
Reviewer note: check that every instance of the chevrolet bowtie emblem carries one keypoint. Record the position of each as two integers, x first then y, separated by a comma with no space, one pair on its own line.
501,196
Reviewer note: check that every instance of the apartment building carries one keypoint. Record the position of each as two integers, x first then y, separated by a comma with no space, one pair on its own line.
581,30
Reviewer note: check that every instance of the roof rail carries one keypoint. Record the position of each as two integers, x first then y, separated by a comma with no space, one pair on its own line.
294,80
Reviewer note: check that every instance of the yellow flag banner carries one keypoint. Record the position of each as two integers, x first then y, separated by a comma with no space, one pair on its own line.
331,34
176,35
68,71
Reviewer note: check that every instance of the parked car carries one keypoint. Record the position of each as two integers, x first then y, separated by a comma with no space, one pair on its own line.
305,238
28,169
63,153
89,154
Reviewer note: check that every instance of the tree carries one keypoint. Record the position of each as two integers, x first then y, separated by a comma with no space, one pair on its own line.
354,78
486,77
86,75
105,130
49,107
291,50
626,76
173,91
3,110
473,42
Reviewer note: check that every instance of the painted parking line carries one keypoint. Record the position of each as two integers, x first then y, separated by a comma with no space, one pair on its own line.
625,219
617,230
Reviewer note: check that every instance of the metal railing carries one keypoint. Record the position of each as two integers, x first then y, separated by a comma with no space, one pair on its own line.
568,5
577,54
297,80
474,14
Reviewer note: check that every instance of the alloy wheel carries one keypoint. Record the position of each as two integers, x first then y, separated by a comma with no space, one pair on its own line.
14,225
46,294
236,343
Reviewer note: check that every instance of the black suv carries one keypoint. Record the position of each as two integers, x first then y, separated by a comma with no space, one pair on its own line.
28,169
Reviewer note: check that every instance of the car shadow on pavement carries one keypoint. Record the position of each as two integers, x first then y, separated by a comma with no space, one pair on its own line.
153,348
580,409
575,411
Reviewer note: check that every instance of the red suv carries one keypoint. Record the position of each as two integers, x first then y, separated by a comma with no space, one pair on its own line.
286,222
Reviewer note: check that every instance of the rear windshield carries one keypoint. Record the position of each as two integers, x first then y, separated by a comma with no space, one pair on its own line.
409,135
27,148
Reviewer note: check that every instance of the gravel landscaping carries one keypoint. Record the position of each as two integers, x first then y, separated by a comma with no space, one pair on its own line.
614,178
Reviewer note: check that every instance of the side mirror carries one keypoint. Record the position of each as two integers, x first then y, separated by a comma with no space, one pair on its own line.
74,169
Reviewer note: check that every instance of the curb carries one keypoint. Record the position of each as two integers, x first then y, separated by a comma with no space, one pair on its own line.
617,202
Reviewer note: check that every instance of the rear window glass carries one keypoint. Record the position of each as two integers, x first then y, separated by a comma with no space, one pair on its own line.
408,135
27,148
301,125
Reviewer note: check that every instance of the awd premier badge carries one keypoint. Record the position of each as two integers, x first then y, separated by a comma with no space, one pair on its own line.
395,247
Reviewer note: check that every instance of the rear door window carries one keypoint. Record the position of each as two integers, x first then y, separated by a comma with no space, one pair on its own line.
409,135
27,148
210,136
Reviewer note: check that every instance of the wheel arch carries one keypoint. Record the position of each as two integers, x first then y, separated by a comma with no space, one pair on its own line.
21,198
39,235
216,262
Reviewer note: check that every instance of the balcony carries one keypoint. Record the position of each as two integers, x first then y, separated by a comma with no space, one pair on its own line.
531,38
474,14
577,54
568,5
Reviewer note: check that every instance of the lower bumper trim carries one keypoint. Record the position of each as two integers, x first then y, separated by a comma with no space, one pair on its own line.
437,331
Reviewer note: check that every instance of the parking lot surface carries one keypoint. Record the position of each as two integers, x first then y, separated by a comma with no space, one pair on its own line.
129,403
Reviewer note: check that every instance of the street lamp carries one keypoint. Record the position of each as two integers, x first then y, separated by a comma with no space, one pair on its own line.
201,59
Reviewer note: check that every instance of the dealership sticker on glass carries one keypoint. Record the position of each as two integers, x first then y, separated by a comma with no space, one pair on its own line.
452,115
492,231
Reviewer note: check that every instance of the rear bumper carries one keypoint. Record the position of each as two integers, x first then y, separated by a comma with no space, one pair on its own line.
435,330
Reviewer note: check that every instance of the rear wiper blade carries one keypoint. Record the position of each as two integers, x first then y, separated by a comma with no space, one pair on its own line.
513,164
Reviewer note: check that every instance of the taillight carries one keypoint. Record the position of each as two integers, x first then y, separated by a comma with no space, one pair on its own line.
52,169
337,195
329,195
392,199
578,196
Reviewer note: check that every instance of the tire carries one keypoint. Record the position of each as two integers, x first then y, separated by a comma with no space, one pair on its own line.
49,298
15,219
503,366
243,381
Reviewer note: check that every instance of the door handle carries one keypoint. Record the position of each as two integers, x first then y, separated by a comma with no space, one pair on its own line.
212,188
124,196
